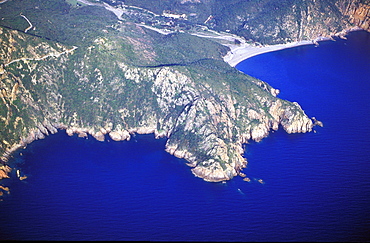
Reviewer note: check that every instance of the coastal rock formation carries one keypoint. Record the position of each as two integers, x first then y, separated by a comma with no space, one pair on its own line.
358,12
120,78
206,110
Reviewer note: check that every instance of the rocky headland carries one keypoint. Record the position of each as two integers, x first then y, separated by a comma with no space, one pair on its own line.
120,78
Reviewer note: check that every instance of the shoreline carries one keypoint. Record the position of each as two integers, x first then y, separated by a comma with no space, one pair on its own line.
239,53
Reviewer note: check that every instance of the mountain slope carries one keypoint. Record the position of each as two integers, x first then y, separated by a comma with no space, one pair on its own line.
81,69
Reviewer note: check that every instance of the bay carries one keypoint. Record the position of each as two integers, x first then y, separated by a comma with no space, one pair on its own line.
316,185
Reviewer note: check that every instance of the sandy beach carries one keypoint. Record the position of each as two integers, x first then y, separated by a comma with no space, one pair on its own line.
238,52
245,51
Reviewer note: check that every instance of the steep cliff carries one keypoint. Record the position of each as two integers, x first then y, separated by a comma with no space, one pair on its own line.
358,12
112,78
207,110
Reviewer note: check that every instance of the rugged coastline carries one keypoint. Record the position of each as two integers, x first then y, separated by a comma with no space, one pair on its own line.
189,91
211,173
203,124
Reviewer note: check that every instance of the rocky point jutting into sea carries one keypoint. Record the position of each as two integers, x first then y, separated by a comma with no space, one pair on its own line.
83,70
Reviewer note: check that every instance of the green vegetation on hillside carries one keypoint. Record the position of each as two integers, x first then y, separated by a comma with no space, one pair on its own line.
83,70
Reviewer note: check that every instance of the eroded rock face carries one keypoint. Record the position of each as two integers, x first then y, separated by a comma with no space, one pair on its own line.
358,12
206,118
206,109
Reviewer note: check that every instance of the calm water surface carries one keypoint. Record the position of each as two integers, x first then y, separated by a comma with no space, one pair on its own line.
317,185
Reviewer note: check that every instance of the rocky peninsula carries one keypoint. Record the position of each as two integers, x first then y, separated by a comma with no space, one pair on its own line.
103,76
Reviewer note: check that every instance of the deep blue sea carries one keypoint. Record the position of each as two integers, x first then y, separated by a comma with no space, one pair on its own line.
317,185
